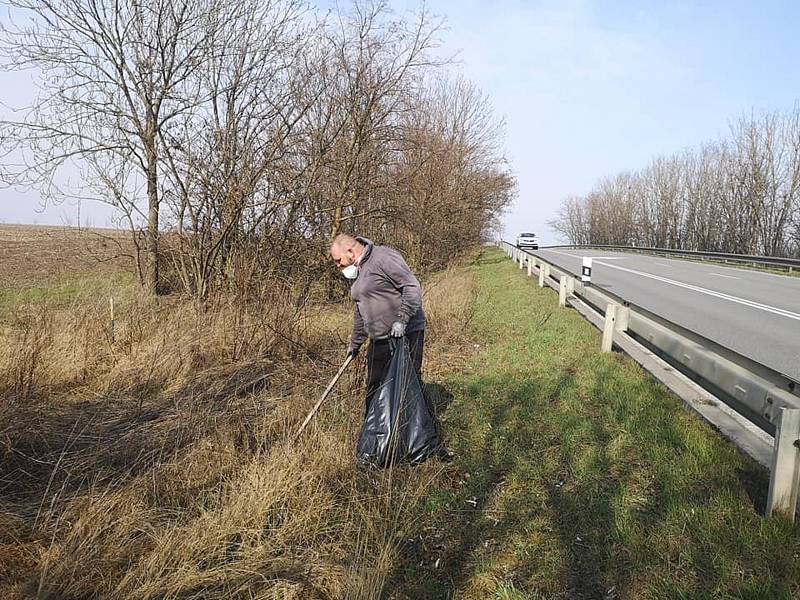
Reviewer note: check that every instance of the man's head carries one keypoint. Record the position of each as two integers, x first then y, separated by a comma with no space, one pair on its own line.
346,250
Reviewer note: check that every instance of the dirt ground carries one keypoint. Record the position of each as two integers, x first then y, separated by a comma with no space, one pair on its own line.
31,254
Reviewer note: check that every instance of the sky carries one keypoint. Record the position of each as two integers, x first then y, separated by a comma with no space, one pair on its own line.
586,88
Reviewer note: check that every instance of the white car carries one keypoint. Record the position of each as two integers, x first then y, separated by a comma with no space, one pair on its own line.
527,240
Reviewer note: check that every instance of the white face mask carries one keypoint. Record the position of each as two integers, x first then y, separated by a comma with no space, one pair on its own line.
350,272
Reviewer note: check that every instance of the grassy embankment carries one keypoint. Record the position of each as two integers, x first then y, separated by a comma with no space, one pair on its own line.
153,467
581,477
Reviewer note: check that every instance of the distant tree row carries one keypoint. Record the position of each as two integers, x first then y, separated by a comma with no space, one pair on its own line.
740,194
236,137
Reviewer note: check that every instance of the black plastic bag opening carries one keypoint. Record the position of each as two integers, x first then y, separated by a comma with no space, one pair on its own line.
398,425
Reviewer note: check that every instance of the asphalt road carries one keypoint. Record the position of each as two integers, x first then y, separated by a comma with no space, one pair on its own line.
751,312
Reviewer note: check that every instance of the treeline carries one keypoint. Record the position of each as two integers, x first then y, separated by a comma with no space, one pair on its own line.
740,194
237,137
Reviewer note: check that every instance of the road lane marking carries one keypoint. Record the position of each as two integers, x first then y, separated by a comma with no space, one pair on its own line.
721,275
750,303
664,264
575,256
785,279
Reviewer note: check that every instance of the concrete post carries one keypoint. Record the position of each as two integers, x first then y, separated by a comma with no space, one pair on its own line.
562,291
570,286
608,328
530,266
521,259
546,268
784,479
541,275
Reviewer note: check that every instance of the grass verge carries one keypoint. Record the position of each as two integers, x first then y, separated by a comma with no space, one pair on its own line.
158,462
579,476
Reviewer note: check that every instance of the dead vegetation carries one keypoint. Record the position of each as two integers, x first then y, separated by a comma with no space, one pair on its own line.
156,462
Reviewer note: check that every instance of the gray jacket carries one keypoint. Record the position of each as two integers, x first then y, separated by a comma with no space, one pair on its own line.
385,291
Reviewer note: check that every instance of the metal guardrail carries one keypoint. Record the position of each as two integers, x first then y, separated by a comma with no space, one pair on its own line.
769,261
762,395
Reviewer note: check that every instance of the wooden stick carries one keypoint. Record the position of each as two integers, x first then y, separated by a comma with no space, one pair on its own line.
314,410
111,301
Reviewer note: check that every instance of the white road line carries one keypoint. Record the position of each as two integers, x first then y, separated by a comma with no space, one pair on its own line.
765,307
721,275
686,262
664,264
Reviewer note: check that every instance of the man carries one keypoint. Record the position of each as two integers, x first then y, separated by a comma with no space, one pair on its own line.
388,303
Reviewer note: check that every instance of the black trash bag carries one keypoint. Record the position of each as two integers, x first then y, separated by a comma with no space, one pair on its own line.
398,424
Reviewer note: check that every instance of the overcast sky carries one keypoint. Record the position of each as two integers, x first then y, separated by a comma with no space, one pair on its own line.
589,88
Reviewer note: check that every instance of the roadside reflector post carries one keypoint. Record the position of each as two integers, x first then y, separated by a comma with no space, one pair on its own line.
586,270
608,328
784,479
570,286
562,291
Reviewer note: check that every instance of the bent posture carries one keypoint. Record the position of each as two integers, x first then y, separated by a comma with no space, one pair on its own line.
388,303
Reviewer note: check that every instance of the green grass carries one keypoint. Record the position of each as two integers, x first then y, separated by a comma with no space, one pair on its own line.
62,293
579,476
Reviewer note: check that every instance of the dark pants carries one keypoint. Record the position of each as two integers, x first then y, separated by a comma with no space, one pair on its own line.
380,353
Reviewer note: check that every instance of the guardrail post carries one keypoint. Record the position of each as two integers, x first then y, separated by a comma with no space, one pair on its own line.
608,328
570,286
531,260
623,318
562,291
541,275
521,259
784,479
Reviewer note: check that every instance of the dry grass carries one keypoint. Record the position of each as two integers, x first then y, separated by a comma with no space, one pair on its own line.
156,462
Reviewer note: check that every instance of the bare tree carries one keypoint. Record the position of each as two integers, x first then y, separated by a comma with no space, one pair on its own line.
741,194
236,137
112,77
